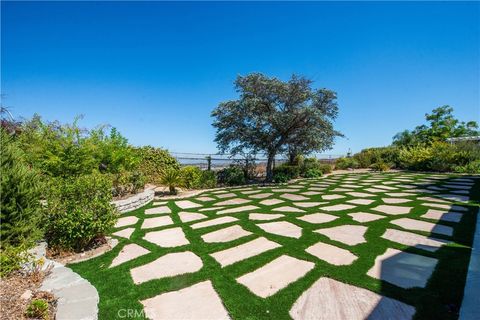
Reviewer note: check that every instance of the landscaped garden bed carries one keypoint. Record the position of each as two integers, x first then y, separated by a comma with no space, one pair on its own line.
347,246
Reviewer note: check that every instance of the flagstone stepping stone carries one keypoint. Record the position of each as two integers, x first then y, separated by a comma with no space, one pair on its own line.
331,254
125,233
413,240
293,197
374,190
282,228
431,199
378,186
226,195
365,217
454,197
392,210
261,195
238,209
271,202
126,221
395,200
459,192
128,252
411,224
190,216
360,194
445,206
287,209
199,301
251,191
458,186
235,201
443,215
275,275
244,251
264,216
403,269
159,203
167,238
361,201
318,218
204,199
329,299
338,207
307,204
213,222
156,222
399,194
341,190
332,196
158,210
348,234
169,265
285,190
310,193
187,204
210,209
219,192
226,235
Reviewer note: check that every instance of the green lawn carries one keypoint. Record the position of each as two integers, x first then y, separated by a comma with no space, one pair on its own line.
440,299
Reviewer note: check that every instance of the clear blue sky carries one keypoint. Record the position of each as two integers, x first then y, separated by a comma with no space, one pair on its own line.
156,70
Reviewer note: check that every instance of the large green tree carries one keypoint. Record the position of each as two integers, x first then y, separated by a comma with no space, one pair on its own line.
441,125
272,116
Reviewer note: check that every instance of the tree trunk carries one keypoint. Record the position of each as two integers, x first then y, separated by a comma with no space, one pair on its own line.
271,157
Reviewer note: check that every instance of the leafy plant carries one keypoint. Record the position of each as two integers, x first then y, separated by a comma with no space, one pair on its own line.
172,178
380,166
280,177
208,179
191,176
325,168
471,167
154,161
38,309
231,176
346,163
78,210
313,173
289,171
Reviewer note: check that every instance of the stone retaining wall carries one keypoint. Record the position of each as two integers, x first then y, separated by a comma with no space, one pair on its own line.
134,202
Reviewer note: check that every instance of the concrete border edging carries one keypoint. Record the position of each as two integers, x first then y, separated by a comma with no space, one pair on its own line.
135,201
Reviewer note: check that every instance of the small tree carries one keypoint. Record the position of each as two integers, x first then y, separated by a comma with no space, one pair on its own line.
271,115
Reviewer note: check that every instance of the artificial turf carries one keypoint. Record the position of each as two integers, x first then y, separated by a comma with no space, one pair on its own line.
440,299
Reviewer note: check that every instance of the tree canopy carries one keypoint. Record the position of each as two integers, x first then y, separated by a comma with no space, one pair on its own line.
272,116
441,125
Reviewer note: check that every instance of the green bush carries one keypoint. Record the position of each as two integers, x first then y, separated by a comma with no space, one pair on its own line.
280,177
154,161
191,176
346,163
325,168
231,176
21,209
313,173
208,179
370,156
380,166
172,178
37,309
127,182
290,171
471,167
78,211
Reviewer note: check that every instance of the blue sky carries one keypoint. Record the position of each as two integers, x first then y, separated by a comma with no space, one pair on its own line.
156,70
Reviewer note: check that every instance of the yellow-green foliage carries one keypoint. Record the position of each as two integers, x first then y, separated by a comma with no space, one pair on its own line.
153,163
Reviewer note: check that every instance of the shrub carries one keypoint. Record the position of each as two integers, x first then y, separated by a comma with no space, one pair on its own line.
13,257
208,179
280,177
370,156
127,182
191,176
38,309
172,178
78,211
325,168
380,166
290,171
154,161
471,167
346,163
313,173
231,176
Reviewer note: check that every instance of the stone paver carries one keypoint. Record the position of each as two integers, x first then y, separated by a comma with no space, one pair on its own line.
169,265
413,240
348,234
261,195
293,197
443,215
395,200
238,209
318,218
403,269
128,252
226,195
282,228
190,216
361,201
275,275
360,194
187,204
199,301
271,202
204,199
158,210
411,224
287,209
307,204
167,238
264,216
125,233
126,221
332,196
338,207
365,216
244,251
156,222
392,210
331,254
213,222
232,202
226,235
329,299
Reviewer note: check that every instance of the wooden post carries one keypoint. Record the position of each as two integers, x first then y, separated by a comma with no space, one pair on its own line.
209,163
